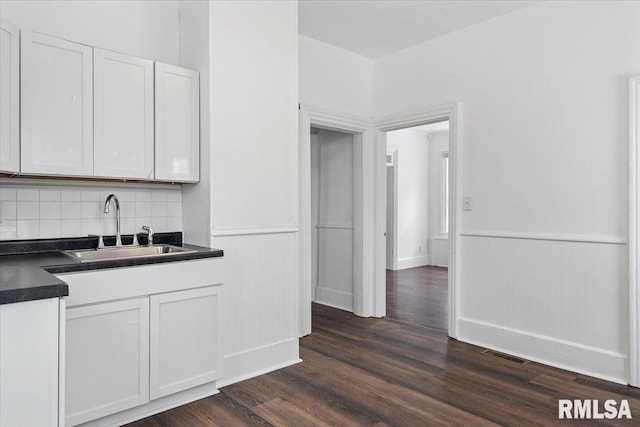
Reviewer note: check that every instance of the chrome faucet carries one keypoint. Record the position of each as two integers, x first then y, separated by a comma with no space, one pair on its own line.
106,210
149,231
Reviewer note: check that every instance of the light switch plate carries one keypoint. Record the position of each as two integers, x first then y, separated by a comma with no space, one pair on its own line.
466,203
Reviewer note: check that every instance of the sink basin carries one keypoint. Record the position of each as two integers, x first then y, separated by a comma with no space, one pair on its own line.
126,252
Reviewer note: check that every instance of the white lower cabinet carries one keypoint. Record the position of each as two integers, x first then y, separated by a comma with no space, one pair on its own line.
107,359
184,342
131,342
29,363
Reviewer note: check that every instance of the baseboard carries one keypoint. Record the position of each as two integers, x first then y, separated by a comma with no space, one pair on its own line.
155,406
550,351
419,261
335,299
257,361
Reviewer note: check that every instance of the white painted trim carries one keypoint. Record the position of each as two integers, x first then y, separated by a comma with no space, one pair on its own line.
155,406
634,231
46,182
550,351
62,358
335,226
394,160
251,231
263,360
579,238
418,261
333,298
363,263
401,121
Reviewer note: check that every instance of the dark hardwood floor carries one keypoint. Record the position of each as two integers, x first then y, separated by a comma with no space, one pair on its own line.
378,372
418,296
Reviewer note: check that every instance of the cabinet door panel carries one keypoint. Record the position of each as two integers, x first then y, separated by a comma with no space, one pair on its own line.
183,340
123,115
107,359
9,97
56,106
177,124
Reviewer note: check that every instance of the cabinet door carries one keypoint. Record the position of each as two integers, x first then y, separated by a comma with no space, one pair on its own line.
107,359
184,340
177,124
123,115
56,106
9,97
29,363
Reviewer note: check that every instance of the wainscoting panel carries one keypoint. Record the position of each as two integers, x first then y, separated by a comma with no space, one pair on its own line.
564,303
259,303
335,267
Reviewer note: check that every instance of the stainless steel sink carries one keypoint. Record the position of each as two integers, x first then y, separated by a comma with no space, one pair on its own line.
126,252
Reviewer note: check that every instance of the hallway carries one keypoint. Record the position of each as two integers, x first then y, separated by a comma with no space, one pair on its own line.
418,296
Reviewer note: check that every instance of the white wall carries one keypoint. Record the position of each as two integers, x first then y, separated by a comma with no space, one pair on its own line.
332,213
194,54
543,102
334,78
254,95
413,196
146,28
438,242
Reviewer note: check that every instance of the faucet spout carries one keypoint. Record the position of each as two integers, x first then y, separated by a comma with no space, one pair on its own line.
106,210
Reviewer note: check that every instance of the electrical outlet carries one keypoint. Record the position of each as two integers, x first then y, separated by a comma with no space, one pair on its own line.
466,203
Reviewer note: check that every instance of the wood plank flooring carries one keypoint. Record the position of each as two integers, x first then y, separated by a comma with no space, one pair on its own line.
378,372
418,296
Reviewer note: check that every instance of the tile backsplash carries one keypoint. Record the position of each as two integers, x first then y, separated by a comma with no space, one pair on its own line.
47,211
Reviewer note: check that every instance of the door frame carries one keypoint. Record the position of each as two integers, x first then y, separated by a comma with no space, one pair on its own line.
634,231
360,128
394,236
401,121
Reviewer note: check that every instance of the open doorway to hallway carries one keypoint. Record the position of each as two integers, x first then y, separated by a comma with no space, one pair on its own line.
332,218
418,225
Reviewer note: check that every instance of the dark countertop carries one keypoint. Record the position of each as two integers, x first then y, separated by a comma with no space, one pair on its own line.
27,267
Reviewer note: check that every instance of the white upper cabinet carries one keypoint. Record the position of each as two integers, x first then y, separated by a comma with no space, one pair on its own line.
177,149
123,115
56,106
9,97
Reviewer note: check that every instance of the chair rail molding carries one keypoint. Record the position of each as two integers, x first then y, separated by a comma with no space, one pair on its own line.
634,230
449,111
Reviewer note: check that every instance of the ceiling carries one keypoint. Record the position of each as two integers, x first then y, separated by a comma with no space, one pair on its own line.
375,28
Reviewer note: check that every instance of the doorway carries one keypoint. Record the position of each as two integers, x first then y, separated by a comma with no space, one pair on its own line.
417,225
332,208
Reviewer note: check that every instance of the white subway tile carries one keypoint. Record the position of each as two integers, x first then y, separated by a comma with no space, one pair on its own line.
90,196
49,195
91,210
8,211
128,210
108,227
8,194
28,210
159,225
159,196
159,209
174,196
8,230
126,196
143,209
143,196
50,228
174,223
174,209
28,229
129,226
90,226
143,221
49,210
72,195
70,228
28,195
70,210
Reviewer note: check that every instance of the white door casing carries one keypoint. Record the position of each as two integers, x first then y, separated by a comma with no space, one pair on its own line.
634,231
402,121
